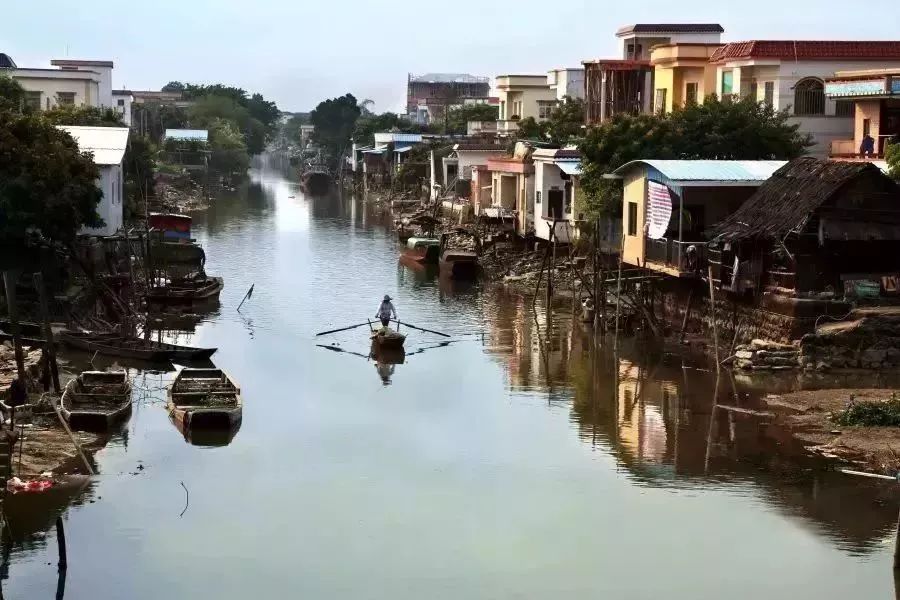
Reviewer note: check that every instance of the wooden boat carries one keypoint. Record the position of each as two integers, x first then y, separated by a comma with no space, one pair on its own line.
205,398
177,252
421,252
387,338
113,344
315,181
204,437
96,400
195,290
459,264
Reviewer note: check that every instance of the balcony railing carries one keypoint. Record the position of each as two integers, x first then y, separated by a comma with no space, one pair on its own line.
688,258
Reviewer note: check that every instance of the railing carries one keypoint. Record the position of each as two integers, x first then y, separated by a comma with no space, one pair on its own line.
676,254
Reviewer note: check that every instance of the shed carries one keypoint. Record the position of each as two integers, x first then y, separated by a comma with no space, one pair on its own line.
107,145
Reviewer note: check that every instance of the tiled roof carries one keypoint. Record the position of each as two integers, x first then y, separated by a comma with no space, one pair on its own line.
671,28
807,50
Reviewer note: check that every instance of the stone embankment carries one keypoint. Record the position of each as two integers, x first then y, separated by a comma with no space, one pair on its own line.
761,355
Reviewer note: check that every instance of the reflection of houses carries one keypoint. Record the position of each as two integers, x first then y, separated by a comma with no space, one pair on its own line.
512,186
523,96
668,206
107,145
625,84
876,100
815,226
790,75
555,182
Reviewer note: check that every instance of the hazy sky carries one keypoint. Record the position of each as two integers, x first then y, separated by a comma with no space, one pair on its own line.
299,52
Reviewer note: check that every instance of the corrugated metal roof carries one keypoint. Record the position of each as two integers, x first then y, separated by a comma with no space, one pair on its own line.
107,144
709,170
569,167
199,135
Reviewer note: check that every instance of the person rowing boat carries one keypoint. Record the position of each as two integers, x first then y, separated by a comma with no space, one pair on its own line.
385,311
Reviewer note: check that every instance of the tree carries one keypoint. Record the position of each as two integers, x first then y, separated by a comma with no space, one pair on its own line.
212,108
46,184
566,123
228,150
173,86
368,125
530,129
892,156
458,117
91,116
717,129
335,121
12,94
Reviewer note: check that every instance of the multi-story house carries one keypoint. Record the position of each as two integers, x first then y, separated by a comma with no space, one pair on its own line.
429,96
523,96
875,95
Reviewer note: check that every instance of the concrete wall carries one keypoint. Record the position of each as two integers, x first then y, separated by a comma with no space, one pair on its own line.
125,108
87,91
469,158
110,207
635,190
547,176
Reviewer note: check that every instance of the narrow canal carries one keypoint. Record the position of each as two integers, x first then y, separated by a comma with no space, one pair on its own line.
517,461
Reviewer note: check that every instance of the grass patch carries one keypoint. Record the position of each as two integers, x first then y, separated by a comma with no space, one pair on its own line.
871,413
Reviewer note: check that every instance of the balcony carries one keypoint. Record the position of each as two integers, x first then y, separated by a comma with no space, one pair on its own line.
672,257
510,126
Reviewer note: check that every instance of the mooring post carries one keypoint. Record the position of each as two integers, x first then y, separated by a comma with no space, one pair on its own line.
9,283
712,307
61,544
897,546
619,292
38,279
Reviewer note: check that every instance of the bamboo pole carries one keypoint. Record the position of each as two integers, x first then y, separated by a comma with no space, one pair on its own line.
619,292
712,303
9,282
72,437
48,331
61,544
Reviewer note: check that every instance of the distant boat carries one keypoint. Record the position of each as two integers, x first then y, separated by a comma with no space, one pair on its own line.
186,292
113,344
96,400
316,181
205,399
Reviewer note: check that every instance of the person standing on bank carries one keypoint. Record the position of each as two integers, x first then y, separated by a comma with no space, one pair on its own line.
386,311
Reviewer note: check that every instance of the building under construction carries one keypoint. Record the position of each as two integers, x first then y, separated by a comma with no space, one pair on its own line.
429,95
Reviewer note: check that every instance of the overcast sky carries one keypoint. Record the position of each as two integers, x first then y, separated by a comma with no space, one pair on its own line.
298,52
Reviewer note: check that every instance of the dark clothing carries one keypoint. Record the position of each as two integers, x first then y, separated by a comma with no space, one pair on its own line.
385,321
867,148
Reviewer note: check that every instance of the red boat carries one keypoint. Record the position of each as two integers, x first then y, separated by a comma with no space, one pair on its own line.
420,252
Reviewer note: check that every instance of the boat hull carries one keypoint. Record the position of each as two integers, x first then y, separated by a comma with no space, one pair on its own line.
96,401
456,269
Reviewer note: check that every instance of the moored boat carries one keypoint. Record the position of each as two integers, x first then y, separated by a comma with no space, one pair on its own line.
421,252
96,400
195,290
459,264
113,344
315,181
205,399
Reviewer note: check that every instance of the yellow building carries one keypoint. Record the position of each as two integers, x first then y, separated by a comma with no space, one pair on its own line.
875,95
682,74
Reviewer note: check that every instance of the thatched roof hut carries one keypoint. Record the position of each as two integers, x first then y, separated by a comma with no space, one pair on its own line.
849,191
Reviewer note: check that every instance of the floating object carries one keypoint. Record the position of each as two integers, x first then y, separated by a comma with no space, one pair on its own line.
205,399
95,400
247,296
16,485
196,290
113,344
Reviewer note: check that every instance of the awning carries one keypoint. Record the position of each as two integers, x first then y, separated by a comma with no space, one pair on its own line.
570,167
402,150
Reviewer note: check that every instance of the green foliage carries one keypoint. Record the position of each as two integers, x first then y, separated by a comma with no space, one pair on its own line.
88,116
335,121
717,129
46,184
12,95
208,110
140,165
228,150
566,123
530,129
153,118
892,156
370,124
458,118
870,413
173,86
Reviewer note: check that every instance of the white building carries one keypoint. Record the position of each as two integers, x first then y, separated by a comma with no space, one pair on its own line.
791,75
108,145
122,101
73,82
103,68
555,174
567,83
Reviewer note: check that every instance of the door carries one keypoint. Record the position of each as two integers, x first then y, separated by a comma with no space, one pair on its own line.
555,204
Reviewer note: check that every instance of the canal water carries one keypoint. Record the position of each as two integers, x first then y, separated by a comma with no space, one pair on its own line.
514,459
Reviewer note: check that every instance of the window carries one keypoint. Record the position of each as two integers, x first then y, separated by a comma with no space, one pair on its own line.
844,108
690,93
630,51
769,93
632,218
503,110
537,197
809,97
545,108
659,103
121,102
570,192
867,126
33,100
65,98
727,83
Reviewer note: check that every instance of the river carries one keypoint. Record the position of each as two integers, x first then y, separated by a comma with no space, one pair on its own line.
517,461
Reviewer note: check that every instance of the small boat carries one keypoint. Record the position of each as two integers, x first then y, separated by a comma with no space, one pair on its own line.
206,438
459,264
421,252
177,252
113,344
315,181
96,400
195,290
204,399
386,338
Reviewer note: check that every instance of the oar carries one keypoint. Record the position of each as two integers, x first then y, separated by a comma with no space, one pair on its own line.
421,328
341,329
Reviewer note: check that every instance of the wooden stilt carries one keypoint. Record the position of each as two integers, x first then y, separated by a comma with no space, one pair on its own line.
9,282
619,292
38,279
61,544
712,308
687,314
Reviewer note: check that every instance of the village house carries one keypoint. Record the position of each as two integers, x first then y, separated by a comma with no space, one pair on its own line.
523,96
429,96
512,186
107,145
567,83
791,75
73,83
668,206
816,229
625,84
875,95
555,181
682,74
122,101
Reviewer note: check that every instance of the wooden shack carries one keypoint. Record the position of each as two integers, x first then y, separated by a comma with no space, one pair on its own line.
817,229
